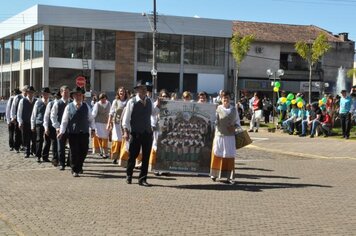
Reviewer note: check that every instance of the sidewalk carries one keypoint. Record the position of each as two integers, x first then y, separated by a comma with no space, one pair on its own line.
318,147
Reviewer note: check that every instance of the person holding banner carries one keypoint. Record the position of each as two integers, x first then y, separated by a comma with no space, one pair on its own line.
138,131
224,147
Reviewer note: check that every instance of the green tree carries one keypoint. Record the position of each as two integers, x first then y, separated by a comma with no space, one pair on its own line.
240,47
312,52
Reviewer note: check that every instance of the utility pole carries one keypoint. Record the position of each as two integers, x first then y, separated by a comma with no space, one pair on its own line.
154,51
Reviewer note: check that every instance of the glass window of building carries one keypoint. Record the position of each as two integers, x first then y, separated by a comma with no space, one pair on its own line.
105,45
28,46
15,79
16,50
7,52
69,42
37,44
168,48
1,52
6,84
204,50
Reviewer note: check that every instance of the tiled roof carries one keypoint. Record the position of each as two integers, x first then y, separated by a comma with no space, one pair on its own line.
281,33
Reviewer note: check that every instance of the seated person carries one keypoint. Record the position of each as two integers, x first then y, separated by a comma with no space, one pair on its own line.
302,115
326,124
310,118
316,121
288,124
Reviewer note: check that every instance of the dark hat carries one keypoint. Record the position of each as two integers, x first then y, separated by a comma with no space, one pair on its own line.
140,83
17,91
58,94
45,90
77,90
30,89
343,91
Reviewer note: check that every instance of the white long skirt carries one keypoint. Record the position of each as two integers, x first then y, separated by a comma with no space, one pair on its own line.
101,131
224,146
116,133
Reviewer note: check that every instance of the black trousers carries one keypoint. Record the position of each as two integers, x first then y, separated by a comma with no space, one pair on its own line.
11,128
62,150
42,142
79,145
54,143
137,142
345,124
18,137
29,139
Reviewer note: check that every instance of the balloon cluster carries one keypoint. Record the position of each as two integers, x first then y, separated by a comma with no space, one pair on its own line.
290,99
276,87
322,102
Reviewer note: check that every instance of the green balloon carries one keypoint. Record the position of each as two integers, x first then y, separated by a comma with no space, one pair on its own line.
290,96
299,99
288,103
277,84
324,100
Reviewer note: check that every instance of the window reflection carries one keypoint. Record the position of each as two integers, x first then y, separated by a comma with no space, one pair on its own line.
105,42
37,43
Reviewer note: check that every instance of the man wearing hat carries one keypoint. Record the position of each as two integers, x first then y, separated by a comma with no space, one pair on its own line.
344,113
76,121
37,119
138,131
24,113
56,119
13,116
50,132
11,125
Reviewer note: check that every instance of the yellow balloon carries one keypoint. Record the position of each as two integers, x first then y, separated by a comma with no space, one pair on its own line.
300,104
275,89
294,101
321,102
283,99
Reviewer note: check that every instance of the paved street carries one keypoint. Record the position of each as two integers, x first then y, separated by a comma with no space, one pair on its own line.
286,185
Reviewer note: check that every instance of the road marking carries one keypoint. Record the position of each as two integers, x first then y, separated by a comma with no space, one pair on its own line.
259,139
305,155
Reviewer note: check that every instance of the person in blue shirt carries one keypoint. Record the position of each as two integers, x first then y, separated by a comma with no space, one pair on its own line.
282,107
344,114
288,124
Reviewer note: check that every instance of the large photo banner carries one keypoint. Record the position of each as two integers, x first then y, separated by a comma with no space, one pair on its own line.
186,132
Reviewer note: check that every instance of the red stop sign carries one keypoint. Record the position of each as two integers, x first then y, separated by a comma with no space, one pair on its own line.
80,81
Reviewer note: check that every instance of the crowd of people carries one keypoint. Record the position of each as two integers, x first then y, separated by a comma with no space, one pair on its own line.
62,124
295,116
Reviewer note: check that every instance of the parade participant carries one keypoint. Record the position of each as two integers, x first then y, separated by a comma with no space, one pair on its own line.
11,125
312,114
282,107
37,119
288,124
202,97
137,129
267,108
56,119
13,116
224,147
24,113
344,114
100,113
76,121
257,112
114,122
50,131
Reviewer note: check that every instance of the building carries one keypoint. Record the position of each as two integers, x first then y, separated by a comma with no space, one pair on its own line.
273,49
50,46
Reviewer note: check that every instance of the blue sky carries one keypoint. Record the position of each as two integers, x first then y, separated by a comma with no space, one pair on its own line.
333,15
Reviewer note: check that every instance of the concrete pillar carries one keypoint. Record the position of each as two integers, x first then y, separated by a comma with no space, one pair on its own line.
45,67
92,68
181,67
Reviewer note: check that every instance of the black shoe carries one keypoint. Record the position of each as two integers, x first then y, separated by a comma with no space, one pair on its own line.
312,135
143,183
347,137
250,130
213,178
11,149
55,162
81,172
62,168
27,156
129,179
38,159
114,161
302,135
75,174
46,160
17,151
256,131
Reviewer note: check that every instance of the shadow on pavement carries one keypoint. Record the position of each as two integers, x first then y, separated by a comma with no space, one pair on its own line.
247,176
246,186
250,168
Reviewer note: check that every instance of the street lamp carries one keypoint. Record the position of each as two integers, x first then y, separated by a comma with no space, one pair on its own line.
274,75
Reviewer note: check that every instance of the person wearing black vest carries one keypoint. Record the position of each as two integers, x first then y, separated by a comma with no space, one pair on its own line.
76,121
11,125
24,113
13,116
56,118
37,118
50,132
138,131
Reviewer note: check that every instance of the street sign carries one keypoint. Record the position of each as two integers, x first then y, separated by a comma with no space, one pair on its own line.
80,81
